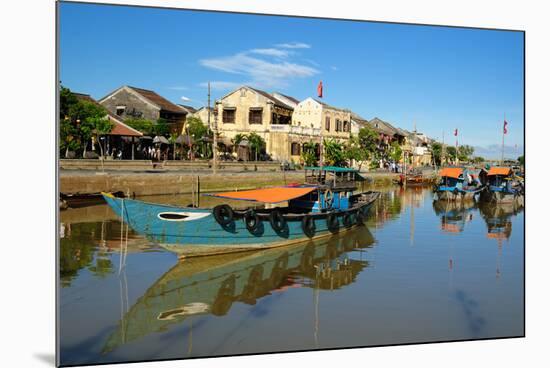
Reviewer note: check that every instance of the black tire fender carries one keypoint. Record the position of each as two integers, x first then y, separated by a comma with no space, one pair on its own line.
277,221
223,214
252,221
308,226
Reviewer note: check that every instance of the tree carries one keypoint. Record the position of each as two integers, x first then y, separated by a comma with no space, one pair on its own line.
308,154
196,128
90,119
521,160
395,151
256,143
478,159
450,152
464,152
437,153
161,127
368,139
355,152
143,125
334,153
172,140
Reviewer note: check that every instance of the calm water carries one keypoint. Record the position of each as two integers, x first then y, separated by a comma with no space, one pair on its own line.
418,271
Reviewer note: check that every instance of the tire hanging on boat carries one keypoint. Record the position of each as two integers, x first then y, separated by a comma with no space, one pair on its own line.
252,221
223,214
277,221
332,222
347,219
308,226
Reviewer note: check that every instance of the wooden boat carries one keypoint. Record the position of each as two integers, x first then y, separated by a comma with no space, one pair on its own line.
412,179
454,186
324,205
503,187
212,285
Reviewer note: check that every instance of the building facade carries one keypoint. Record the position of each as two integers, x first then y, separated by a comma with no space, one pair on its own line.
131,102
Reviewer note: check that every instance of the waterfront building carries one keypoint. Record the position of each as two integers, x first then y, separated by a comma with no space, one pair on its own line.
249,110
132,102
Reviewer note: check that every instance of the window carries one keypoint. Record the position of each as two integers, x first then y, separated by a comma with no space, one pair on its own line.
327,123
255,116
346,126
228,116
120,110
338,125
295,149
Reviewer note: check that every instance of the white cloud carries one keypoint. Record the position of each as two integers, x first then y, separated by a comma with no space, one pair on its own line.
185,98
271,52
260,72
335,68
294,45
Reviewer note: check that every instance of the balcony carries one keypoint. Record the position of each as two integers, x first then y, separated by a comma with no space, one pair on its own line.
309,131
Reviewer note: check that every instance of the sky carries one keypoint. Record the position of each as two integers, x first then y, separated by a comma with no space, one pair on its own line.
436,79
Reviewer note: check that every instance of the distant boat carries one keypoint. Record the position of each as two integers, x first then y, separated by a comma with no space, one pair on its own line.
457,184
324,205
503,187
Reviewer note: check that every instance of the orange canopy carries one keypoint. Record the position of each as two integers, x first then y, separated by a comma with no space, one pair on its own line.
451,172
268,195
500,171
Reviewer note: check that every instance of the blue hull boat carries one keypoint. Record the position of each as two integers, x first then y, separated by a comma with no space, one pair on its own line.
457,184
503,187
313,211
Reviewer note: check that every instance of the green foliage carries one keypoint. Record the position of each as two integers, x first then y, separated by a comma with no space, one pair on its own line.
521,160
396,153
334,153
308,154
355,152
437,153
238,138
368,139
450,153
256,143
79,121
464,152
478,159
161,127
196,128
143,125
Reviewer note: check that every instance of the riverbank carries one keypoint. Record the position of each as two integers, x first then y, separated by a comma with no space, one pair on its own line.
157,183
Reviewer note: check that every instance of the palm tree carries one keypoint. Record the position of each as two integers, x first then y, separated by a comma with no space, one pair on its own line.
237,139
256,142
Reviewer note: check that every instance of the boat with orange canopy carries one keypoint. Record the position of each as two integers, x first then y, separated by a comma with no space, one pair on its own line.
503,186
327,203
458,184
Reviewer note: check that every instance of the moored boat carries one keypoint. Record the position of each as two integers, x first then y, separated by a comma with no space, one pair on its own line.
503,187
457,184
325,204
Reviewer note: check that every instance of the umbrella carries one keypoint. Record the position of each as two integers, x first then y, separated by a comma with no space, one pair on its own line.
184,139
160,139
145,137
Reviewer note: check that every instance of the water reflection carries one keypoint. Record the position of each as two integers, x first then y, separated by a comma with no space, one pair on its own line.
111,312
212,285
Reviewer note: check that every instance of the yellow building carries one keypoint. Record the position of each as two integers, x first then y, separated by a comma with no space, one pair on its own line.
249,110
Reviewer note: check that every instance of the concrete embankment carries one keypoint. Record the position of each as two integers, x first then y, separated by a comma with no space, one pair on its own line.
148,183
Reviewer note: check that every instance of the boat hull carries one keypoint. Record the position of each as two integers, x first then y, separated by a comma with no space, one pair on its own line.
498,196
449,195
200,234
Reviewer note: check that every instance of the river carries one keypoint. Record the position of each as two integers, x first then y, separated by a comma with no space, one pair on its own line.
418,271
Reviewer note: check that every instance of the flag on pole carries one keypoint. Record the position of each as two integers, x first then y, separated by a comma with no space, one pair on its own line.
504,128
320,89
456,132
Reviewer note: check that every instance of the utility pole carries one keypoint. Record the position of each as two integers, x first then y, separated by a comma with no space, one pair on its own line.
215,131
502,149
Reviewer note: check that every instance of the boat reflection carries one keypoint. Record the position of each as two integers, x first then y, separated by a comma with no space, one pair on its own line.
211,285
498,218
454,214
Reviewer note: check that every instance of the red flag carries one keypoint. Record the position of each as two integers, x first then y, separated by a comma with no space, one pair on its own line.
504,128
320,89
456,132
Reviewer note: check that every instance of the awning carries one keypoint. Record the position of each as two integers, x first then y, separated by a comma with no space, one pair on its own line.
268,195
451,172
160,139
500,171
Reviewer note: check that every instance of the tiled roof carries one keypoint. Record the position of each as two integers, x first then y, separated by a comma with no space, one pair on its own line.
158,100
188,108
273,99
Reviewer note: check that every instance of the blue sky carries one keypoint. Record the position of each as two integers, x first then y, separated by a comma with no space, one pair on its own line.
438,78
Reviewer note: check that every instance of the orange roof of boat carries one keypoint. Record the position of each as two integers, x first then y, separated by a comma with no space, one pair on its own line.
451,172
500,171
267,195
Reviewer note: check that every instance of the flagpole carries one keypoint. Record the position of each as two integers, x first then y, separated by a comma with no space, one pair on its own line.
443,150
502,152
456,147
